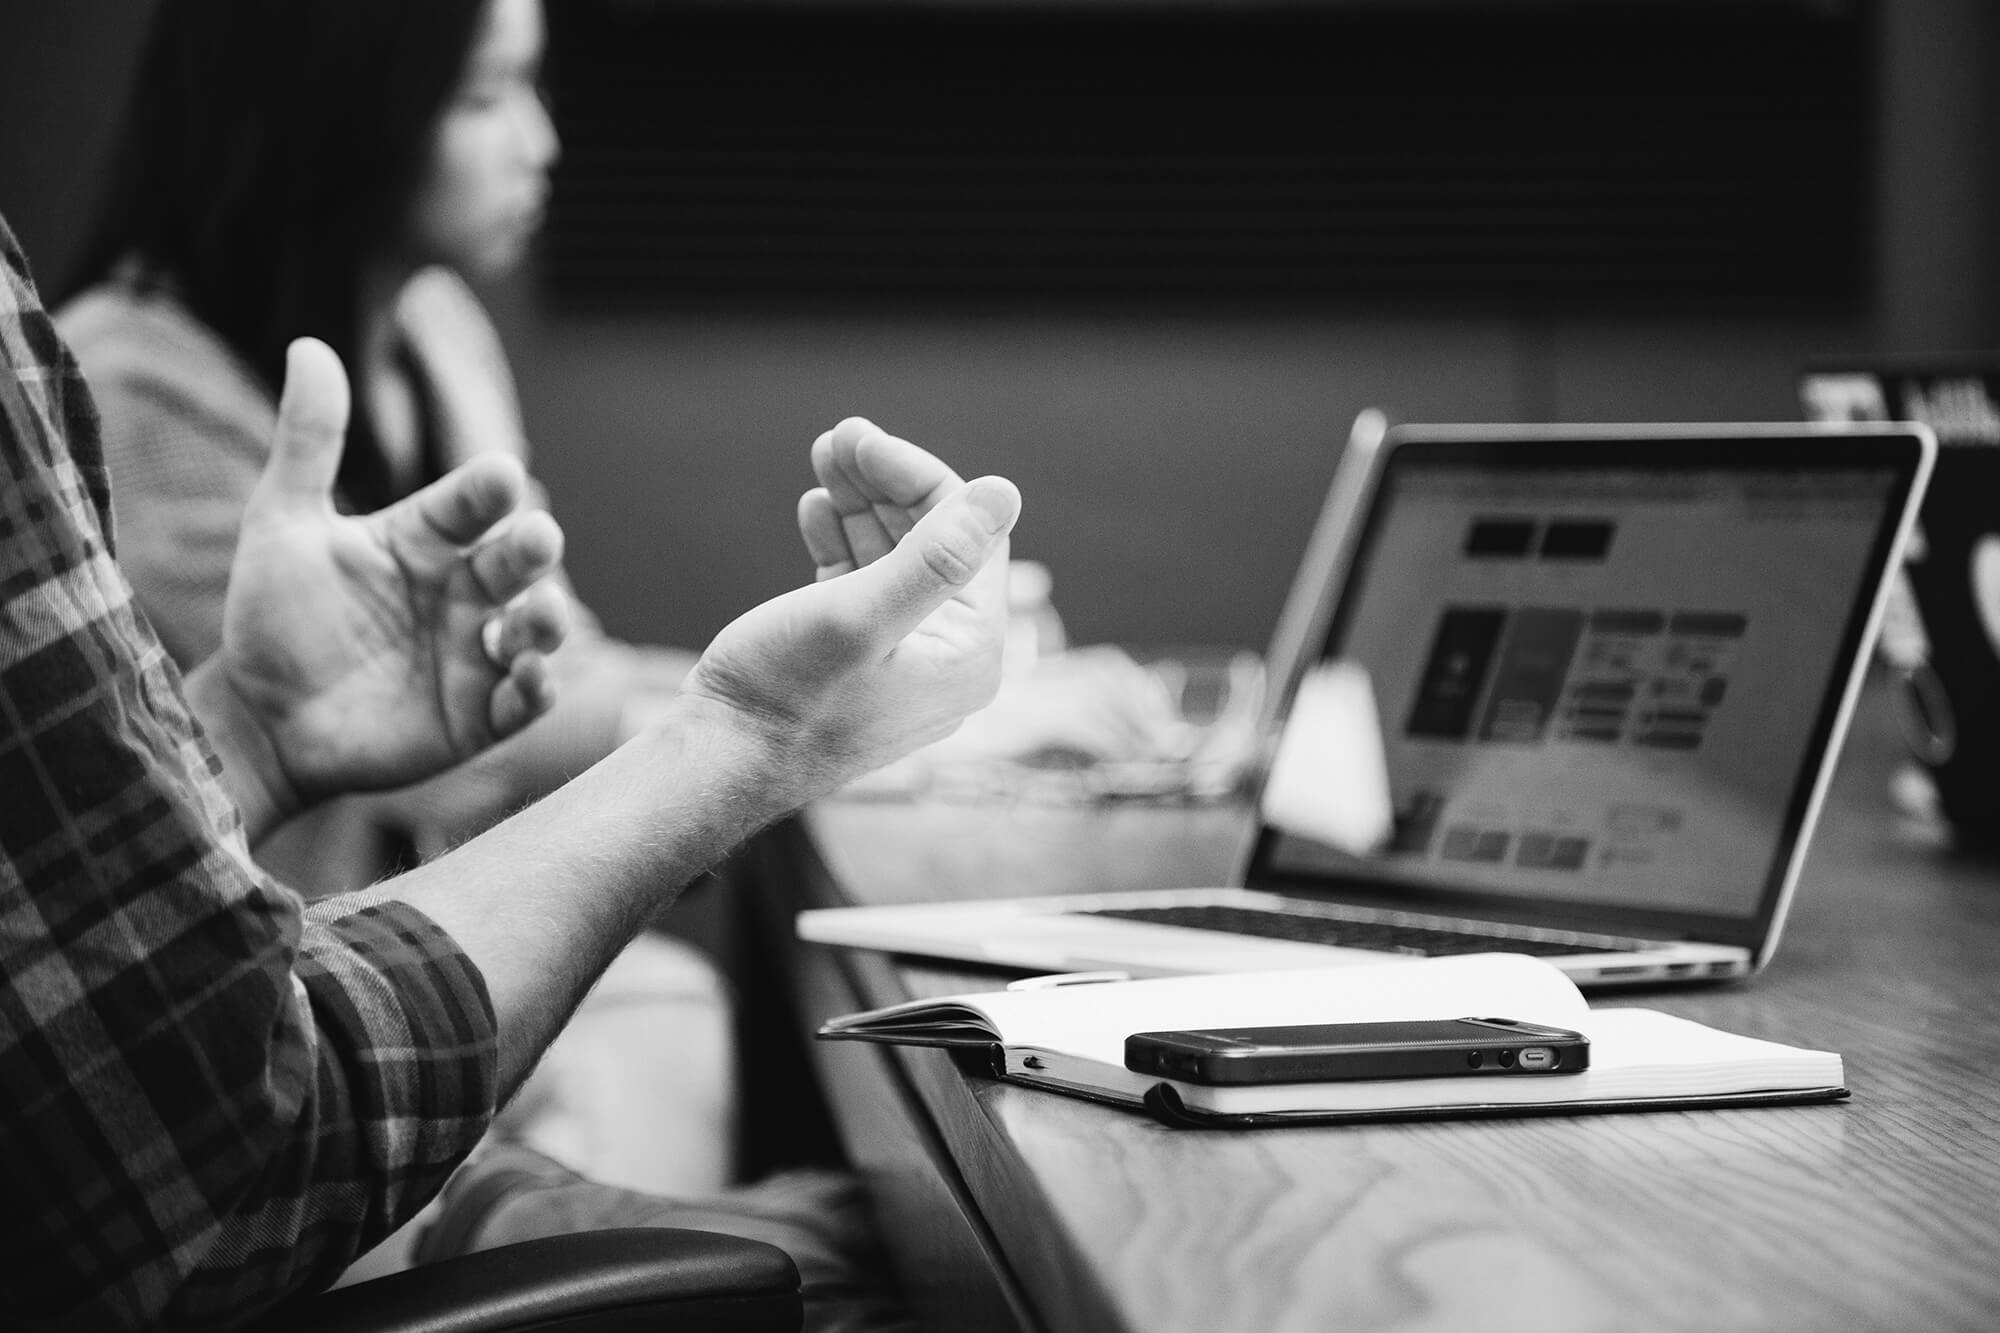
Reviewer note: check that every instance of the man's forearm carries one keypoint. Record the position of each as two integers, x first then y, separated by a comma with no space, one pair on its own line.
544,900
252,773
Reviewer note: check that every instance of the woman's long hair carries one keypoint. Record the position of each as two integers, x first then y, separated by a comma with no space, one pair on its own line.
269,152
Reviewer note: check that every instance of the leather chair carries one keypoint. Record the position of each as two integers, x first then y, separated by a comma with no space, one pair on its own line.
655,1279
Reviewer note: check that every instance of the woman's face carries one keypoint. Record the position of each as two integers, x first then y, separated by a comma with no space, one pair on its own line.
482,194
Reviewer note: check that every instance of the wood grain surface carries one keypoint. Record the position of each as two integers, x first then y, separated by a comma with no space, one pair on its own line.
1879,1213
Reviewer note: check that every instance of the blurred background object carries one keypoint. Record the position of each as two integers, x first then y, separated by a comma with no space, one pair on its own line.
1505,210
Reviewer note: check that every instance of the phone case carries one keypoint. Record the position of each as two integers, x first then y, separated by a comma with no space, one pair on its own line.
1315,1053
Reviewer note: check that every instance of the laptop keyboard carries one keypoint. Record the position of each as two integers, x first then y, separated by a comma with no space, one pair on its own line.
1389,937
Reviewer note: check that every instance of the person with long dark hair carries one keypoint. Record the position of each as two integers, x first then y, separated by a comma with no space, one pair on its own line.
339,169
344,169
217,1095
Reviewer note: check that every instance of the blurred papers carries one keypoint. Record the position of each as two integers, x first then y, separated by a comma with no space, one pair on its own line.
1091,724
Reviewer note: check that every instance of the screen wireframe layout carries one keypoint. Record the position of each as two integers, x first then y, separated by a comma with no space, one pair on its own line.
1597,684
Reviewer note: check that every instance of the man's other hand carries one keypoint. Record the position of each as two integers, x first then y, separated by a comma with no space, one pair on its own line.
898,639
373,651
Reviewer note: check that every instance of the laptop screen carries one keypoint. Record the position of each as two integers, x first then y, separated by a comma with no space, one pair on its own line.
1604,671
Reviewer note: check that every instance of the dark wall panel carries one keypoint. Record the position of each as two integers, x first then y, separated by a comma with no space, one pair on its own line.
1583,157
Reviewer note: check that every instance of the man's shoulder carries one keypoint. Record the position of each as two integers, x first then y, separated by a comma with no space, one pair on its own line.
25,333
18,292
12,259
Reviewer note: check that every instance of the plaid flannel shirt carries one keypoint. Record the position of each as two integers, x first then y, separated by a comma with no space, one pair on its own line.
211,1096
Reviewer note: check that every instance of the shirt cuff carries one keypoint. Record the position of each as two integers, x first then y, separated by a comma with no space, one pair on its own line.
416,1032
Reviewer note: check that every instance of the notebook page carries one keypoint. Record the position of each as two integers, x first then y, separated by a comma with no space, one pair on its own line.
1093,1021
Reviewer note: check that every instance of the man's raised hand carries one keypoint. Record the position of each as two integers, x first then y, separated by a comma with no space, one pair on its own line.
373,651
900,637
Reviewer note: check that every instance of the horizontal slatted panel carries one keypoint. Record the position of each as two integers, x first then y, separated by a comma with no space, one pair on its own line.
1600,157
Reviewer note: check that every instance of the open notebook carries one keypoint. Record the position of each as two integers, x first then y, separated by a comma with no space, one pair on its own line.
1071,1039
1602,674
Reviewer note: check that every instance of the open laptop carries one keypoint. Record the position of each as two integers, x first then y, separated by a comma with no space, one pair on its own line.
1612,667
1941,633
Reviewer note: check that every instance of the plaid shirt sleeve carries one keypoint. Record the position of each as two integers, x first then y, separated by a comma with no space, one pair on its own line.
211,1097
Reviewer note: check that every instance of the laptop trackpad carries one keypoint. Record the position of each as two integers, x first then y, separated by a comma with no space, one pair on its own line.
1073,942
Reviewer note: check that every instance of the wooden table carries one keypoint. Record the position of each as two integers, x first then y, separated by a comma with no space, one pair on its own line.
1010,1208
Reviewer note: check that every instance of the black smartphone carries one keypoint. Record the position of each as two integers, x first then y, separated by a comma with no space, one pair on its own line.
1332,1052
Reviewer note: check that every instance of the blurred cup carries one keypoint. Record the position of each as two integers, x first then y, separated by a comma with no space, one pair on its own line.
1034,630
